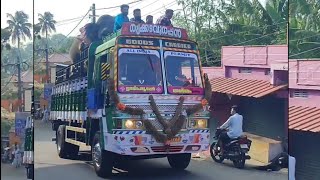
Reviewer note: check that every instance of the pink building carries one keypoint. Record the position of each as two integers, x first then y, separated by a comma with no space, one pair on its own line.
304,116
256,79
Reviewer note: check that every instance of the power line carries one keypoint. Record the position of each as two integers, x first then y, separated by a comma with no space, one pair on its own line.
258,38
256,27
76,18
304,51
70,22
118,5
154,12
305,37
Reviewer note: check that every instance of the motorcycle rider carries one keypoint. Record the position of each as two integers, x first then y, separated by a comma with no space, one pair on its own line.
233,126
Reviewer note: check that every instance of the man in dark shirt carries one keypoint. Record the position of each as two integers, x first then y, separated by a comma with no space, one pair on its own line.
121,18
149,19
166,19
137,16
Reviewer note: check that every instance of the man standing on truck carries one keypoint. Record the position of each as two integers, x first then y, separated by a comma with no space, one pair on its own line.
149,19
121,18
136,16
166,19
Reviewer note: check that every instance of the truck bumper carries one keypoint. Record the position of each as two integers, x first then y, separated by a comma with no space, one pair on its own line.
145,144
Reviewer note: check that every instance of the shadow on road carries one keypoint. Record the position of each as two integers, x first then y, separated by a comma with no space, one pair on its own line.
138,169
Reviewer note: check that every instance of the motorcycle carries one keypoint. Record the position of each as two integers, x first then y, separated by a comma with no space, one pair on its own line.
6,156
235,150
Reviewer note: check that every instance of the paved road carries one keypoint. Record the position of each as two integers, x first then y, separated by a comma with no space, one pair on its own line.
8,172
48,166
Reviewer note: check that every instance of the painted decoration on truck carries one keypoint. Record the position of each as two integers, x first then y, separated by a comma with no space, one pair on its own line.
153,30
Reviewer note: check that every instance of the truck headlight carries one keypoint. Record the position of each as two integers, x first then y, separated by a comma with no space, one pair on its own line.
129,124
198,123
133,124
202,123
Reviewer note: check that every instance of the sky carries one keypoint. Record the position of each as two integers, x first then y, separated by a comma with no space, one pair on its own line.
69,9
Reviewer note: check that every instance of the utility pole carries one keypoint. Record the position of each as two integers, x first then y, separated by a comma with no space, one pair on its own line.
93,9
19,84
47,62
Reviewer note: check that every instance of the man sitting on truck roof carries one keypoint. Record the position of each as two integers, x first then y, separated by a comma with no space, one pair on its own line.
136,16
121,18
165,20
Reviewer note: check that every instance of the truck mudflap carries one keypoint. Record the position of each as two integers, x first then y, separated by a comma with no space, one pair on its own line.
137,143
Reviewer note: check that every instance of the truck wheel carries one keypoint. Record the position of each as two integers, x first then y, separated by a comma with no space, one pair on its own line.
29,172
179,161
103,160
65,150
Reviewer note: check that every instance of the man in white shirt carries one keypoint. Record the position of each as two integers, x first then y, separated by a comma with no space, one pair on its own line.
234,126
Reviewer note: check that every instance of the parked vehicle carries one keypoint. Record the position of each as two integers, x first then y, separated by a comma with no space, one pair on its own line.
5,158
236,150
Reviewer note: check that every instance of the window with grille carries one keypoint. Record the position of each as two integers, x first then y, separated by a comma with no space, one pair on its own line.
245,70
299,94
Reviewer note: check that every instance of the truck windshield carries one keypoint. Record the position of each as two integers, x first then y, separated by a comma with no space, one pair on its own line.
139,71
183,73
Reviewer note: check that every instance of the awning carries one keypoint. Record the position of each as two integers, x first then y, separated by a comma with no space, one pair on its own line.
304,118
244,87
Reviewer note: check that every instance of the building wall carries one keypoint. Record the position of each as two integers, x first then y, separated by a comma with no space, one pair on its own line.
256,73
254,56
313,99
304,74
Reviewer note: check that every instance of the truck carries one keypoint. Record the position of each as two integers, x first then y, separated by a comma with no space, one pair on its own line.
139,93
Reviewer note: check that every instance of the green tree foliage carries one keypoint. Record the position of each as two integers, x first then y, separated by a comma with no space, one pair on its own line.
214,24
304,31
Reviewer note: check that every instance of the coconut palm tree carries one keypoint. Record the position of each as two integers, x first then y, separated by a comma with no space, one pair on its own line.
19,27
47,25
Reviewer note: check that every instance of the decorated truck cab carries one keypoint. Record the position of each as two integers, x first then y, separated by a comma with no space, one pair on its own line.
140,93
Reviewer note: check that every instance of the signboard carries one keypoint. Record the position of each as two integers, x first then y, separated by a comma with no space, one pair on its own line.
20,123
153,30
47,91
138,41
27,100
179,45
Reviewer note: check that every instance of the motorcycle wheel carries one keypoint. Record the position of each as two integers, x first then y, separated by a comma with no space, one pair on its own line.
214,152
239,163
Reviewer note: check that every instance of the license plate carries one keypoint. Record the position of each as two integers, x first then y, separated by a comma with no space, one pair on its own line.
175,139
244,146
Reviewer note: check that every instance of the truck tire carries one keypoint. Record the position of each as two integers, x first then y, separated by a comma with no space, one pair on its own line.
65,150
30,170
103,161
179,161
